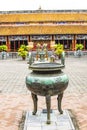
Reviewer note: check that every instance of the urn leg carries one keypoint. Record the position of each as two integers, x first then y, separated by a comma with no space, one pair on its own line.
48,104
34,97
60,96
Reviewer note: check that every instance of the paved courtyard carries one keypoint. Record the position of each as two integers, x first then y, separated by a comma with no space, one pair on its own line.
15,98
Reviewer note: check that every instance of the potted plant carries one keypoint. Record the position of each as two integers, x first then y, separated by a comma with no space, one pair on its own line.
78,51
23,51
3,48
59,49
79,46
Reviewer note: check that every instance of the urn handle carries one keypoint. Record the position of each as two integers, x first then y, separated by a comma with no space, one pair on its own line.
31,58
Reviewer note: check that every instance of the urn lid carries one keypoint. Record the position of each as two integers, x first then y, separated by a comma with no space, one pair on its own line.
46,66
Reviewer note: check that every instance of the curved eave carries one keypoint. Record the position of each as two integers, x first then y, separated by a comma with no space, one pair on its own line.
51,29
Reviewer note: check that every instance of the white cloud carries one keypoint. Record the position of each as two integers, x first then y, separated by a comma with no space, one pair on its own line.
45,4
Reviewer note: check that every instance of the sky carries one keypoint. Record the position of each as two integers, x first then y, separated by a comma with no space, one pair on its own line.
12,5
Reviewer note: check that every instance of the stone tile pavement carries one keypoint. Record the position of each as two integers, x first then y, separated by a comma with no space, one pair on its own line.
15,98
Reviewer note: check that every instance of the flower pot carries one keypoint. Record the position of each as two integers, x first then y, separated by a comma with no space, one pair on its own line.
23,58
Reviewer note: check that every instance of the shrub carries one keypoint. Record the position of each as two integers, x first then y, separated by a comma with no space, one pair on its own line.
59,49
3,48
23,51
79,46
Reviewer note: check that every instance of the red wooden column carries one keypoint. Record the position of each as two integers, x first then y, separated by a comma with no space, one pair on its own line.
52,42
18,44
52,37
8,43
84,44
29,39
74,43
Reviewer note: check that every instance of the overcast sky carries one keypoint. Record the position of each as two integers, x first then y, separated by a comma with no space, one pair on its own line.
9,5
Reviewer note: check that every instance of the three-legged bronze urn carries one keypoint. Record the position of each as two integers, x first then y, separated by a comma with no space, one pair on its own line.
47,79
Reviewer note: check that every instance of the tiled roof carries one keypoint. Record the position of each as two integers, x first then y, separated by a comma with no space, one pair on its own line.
26,30
36,17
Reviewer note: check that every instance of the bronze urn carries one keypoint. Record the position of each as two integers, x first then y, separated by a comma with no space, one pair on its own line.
47,79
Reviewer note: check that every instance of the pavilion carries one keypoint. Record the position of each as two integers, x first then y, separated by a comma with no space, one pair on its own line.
67,27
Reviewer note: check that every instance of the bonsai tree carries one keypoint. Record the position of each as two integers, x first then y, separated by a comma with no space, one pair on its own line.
23,51
79,46
59,49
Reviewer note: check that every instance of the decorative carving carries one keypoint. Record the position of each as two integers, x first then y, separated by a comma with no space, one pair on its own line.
2,38
41,37
61,37
15,38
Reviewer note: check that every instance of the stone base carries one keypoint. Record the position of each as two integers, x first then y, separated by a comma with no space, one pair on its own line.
58,121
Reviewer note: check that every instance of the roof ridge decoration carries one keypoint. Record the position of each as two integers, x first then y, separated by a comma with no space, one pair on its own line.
42,11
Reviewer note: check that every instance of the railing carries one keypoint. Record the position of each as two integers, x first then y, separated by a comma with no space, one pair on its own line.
14,55
6,55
